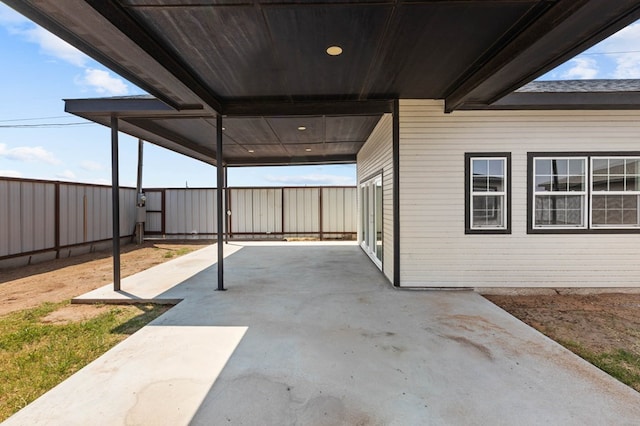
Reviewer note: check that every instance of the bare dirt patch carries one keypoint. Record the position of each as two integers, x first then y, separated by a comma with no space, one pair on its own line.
75,313
601,322
61,279
602,328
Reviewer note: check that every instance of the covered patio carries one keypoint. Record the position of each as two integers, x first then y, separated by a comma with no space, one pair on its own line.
236,83
308,336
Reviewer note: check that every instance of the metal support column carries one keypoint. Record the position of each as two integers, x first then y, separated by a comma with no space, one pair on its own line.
139,198
115,202
227,216
220,201
396,191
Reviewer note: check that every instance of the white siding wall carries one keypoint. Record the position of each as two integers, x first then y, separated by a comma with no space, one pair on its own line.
377,155
434,248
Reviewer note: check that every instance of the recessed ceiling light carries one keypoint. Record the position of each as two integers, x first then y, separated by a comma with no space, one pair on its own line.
302,128
251,151
334,50
308,149
224,128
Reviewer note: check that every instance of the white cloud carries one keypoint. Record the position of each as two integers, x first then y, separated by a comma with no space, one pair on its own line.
49,44
582,69
66,174
622,48
102,82
311,179
627,67
92,166
53,46
10,173
29,154
9,17
99,80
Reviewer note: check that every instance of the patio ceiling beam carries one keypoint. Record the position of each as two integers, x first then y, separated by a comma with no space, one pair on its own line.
540,19
565,30
131,107
43,19
172,136
120,19
287,161
257,108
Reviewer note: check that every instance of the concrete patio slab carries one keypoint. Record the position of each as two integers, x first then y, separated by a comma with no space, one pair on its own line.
314,334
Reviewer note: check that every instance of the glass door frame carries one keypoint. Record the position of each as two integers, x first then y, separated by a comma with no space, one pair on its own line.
371,220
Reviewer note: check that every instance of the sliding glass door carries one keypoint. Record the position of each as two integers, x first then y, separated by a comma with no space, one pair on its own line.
371,219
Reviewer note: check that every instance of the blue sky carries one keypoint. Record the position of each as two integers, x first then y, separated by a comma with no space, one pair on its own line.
38,140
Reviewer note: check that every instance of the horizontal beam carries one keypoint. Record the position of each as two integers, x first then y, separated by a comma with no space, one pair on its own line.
39,14
156,129
538,21
567,29
256,108
119,18
120,106
290,161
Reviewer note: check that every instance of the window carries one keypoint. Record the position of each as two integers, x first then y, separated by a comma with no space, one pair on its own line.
586,192
559,192
615,192
487,189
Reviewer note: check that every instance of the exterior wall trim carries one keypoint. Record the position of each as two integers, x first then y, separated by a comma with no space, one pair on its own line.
396,192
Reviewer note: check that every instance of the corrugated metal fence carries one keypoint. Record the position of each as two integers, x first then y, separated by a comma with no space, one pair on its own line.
283,212
44,216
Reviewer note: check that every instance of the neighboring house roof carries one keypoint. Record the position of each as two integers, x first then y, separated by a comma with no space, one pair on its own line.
571,95
584,86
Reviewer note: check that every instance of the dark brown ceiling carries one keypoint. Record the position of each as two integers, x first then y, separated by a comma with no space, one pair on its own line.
265,140
264,58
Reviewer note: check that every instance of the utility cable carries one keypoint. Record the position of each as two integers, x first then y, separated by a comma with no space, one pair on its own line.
41,126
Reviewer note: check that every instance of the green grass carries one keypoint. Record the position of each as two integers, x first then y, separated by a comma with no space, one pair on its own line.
621,364
179,252
34,356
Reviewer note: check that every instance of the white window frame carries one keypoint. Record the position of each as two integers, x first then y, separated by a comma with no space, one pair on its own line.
473,193
369,221
592,192
583,193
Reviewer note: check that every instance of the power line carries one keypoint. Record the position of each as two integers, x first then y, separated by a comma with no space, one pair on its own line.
41,126
610,53
38,118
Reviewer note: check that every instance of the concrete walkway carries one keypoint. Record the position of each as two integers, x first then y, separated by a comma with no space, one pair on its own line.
313,334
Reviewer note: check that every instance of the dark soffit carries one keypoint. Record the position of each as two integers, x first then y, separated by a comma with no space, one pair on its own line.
320,138
210,54
265,59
